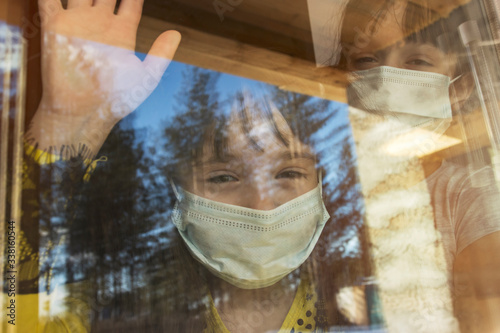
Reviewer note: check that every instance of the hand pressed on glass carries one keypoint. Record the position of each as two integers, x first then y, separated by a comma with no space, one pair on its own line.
91,76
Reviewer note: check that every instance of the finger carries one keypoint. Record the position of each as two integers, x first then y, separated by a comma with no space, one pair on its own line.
131,9
48,8
79,3
161,53
165,45
109,4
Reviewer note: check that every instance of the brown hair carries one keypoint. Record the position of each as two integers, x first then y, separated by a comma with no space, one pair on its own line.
420,23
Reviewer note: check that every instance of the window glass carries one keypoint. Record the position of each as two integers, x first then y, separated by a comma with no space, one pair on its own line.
421,87
250,166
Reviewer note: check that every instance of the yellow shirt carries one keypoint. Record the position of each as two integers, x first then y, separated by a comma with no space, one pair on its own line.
300,317
39,311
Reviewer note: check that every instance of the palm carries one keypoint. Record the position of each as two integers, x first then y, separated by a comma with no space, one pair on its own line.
95,24
90,73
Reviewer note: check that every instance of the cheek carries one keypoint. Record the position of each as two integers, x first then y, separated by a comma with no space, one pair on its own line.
233,197
440,69
293,189
452,66
187,183
447,66
311,183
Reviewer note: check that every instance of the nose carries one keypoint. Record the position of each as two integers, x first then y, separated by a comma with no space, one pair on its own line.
392,56
259,197
392,60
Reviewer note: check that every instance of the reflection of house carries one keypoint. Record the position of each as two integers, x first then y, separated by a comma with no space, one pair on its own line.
408,254
260,40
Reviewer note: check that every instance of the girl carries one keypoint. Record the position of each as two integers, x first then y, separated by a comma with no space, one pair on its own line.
407,67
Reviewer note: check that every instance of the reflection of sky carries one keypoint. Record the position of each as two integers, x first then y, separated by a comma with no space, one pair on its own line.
159,105
10,47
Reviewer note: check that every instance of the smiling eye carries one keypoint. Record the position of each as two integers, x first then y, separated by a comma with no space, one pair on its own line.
289,174
419,62
364,60
222,179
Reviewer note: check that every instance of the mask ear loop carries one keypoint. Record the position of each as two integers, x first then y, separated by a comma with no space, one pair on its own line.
176,214
320,182
174,188
458,77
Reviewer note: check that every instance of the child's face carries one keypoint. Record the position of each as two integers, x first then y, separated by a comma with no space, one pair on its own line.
248,177
386,46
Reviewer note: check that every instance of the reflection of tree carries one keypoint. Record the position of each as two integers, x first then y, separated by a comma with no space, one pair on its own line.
321,124
121,239
181,291
344,241
305,114
112,231
197,106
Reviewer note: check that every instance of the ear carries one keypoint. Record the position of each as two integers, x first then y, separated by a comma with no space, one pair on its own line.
461,90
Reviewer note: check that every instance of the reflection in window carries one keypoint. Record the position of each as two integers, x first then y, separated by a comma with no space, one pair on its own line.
135,239
430,192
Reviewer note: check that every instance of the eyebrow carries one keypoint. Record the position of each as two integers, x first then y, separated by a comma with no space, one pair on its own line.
217,159
286,155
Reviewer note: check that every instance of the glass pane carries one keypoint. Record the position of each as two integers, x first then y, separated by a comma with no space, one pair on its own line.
286,166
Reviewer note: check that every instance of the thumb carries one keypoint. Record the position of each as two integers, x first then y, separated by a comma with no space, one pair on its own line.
162,52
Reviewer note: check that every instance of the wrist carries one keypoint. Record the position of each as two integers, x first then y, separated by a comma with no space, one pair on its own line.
53,129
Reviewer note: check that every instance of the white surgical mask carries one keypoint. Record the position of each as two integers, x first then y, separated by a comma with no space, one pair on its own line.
250,248
415,98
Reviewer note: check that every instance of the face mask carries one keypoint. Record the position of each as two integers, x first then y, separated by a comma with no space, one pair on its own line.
415,98
246,247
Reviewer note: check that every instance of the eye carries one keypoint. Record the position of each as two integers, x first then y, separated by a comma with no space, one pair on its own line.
420,62
361,62
220,179
365,60
291,174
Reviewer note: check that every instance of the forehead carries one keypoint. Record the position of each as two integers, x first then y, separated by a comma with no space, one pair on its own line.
253,135
374,27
